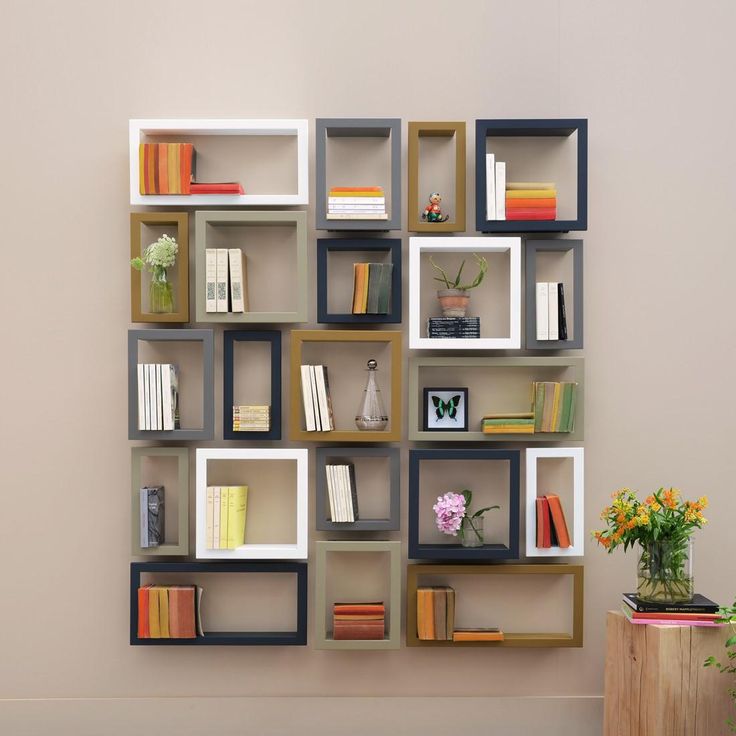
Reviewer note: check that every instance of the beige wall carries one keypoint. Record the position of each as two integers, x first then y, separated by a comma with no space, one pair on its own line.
651,77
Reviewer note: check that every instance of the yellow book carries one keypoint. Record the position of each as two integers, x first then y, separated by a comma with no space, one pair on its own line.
141,169
237,502
360,193
531,193
224,502
509,429
154,621
530,185
555,421
163,611
172,168
364,300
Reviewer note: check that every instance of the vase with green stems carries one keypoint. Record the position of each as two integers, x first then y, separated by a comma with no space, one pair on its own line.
157,257
453,516
664,573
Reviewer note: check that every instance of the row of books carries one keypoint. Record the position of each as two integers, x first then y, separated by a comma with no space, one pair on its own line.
169,612
351,621
316,398
342,492
372,287
158,396
554,406
552,528
169,168
531,201
226,285
701,611
226,513
356,203
551,313
453,327
251,418
436,618
152,517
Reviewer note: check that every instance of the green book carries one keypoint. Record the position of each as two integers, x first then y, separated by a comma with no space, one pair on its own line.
570,426
491,422
384,291
565,410
374,286
538,405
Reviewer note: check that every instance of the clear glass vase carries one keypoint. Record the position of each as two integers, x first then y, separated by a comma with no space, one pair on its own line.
665,571
371,415
471,531
160,293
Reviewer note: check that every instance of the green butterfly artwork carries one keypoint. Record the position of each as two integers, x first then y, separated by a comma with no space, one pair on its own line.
445,410
446,407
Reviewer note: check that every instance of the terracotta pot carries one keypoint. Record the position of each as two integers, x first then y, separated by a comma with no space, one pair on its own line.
454,302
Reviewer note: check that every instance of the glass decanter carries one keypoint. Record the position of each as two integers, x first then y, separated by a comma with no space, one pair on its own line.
371,413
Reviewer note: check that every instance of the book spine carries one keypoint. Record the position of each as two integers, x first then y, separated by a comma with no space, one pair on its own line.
237,290
166,396
562,314
143,504
538,405
159,398
320,423
356,216
374,284
156,516
542,311
500,190
151,396
210,529
216,512
222,280
384,294
210,280
330,491
224,505
491,186
552,313
307,400
141,397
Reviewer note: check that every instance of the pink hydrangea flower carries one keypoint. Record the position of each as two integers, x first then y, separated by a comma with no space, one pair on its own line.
450,510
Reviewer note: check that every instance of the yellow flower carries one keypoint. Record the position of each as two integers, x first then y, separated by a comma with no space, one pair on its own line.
656,506
642,520
703,501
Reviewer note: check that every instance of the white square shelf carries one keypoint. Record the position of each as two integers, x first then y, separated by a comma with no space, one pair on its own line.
258,510
141,130
576,494
420,279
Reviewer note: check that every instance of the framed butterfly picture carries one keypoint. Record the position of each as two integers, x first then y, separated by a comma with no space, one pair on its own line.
445,410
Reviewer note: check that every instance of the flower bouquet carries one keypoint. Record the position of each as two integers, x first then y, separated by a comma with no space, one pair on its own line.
453,517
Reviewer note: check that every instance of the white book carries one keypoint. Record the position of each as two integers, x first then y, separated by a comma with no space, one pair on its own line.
210,529
146,408
324,410
238,294
307,400
159,398
356,200
166,395
174,373
216,517
357,217
330,490
342,514
552,311
210,259
490,186
144,517
542,310
500,190
151,396
141,398
357,214
315,400
222,280
345,472
367,208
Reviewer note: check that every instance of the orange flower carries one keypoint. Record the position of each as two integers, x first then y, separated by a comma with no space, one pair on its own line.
650,500
670,498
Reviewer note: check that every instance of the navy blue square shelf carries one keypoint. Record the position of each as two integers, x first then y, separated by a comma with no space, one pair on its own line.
219,638
231,337
325,246
418,551
537,129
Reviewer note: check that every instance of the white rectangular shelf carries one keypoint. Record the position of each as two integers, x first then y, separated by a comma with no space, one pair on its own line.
417,320
533,455
295,551
140,128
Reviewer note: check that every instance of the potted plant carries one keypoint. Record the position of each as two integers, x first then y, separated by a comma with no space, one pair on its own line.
157,257
453,517
662,525
454,297
728,616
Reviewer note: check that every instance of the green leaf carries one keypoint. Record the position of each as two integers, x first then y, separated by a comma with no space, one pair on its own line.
731,642
137,263
709,662
482,511
468,496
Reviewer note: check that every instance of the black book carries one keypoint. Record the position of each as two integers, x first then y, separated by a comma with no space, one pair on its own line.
453,327
561,315
699,604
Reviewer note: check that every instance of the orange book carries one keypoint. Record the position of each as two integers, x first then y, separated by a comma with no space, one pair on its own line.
152,167
526,203
361,288
425,614
356,189
364,297
477,635
154,621
558,519
173,167
143,630
142,168
181,612
185,166
163,168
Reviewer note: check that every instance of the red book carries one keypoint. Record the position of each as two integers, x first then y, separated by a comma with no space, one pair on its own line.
181,612
520,203
358,609
675,616
544,535
343,630
186,153
558,519
228,187
541,214
143,630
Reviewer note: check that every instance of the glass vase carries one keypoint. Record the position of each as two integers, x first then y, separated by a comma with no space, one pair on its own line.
664,573
471,531
371,415
160,293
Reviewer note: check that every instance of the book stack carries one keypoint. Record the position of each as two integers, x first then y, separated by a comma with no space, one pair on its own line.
435,613
508,423
351,621
342,492
454,327
165,168
554,406
531,201
372,287
226,285
316,398
701,611
356,203
152,516
169,611
551,314
226,512
249,418
551,523
158,397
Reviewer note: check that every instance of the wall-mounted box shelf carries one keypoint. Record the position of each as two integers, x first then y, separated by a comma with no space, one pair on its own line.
423,574
494,385
147,228
171,468
497,301
545,261
538,151
352,152
358,588
274,247
428,172
276,525
557,470
346,353
251,388
231,150
492,476
377,473
295,637
193,353
335,258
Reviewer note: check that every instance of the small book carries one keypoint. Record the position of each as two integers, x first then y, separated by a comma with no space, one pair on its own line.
500,190
490,186
319,421
225,187
542,310
153,517
562,314
236,516
699,604
141,398
374,285
209,528
380,216
210,280
552,310
309,419
159,397
167,409
238,286
384,290
477,635
224,509
222,280
558,519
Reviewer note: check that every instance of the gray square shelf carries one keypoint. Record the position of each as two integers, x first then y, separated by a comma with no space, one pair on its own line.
533,248
326,454
389,128
207,430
